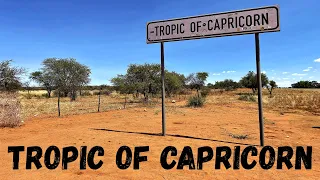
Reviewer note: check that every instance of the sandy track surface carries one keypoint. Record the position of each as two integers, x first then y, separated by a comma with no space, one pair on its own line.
211,126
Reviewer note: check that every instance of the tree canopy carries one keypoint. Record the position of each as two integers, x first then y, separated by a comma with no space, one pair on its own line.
146,79
44,79
227,84
272,84
250,80
10,77
66,75
197,81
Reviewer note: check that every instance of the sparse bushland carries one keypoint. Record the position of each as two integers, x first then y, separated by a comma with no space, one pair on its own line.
292,99
196,101
103,92
10,111
248,97
227,84
283,100
86,93
205,91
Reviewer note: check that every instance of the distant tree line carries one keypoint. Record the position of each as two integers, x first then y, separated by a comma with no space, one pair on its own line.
306,84
247,81
67,77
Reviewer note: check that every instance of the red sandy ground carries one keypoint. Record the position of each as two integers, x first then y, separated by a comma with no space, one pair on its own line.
213,122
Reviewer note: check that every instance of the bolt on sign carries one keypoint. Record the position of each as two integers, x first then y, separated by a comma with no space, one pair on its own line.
248,21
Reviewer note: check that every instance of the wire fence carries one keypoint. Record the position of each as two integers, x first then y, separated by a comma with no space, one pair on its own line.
40,106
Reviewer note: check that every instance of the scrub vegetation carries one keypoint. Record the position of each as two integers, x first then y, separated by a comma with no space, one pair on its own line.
67,80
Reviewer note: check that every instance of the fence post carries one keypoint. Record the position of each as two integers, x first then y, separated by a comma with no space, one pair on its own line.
59,103
99,100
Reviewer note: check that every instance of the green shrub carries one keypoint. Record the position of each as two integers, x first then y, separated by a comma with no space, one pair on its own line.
205,91
195,101
45,95
184,91
247,97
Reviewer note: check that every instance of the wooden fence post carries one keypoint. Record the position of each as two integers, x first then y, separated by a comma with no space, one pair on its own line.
99,100
59,103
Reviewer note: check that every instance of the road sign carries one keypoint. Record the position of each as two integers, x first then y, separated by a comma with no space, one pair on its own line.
248,21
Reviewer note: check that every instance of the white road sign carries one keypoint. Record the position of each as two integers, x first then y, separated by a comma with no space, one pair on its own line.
248,21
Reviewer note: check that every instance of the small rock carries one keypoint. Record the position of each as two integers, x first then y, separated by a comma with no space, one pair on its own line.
173,101
22,121
287,136
145,110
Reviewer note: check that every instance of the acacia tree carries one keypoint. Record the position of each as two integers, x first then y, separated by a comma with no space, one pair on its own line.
122,84
44,79
67,74
146,78
197,81
272,84
10,77
27,86
174,82
250,81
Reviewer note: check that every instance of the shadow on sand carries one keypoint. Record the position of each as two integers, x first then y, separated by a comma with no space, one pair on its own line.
173,135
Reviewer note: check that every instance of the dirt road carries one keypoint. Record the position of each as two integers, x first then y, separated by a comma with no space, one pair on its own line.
211,126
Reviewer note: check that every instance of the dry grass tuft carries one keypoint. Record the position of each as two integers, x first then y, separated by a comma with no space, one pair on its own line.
9,110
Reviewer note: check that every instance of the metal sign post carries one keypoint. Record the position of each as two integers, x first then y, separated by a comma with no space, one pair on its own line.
163,92
247,21
259,88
